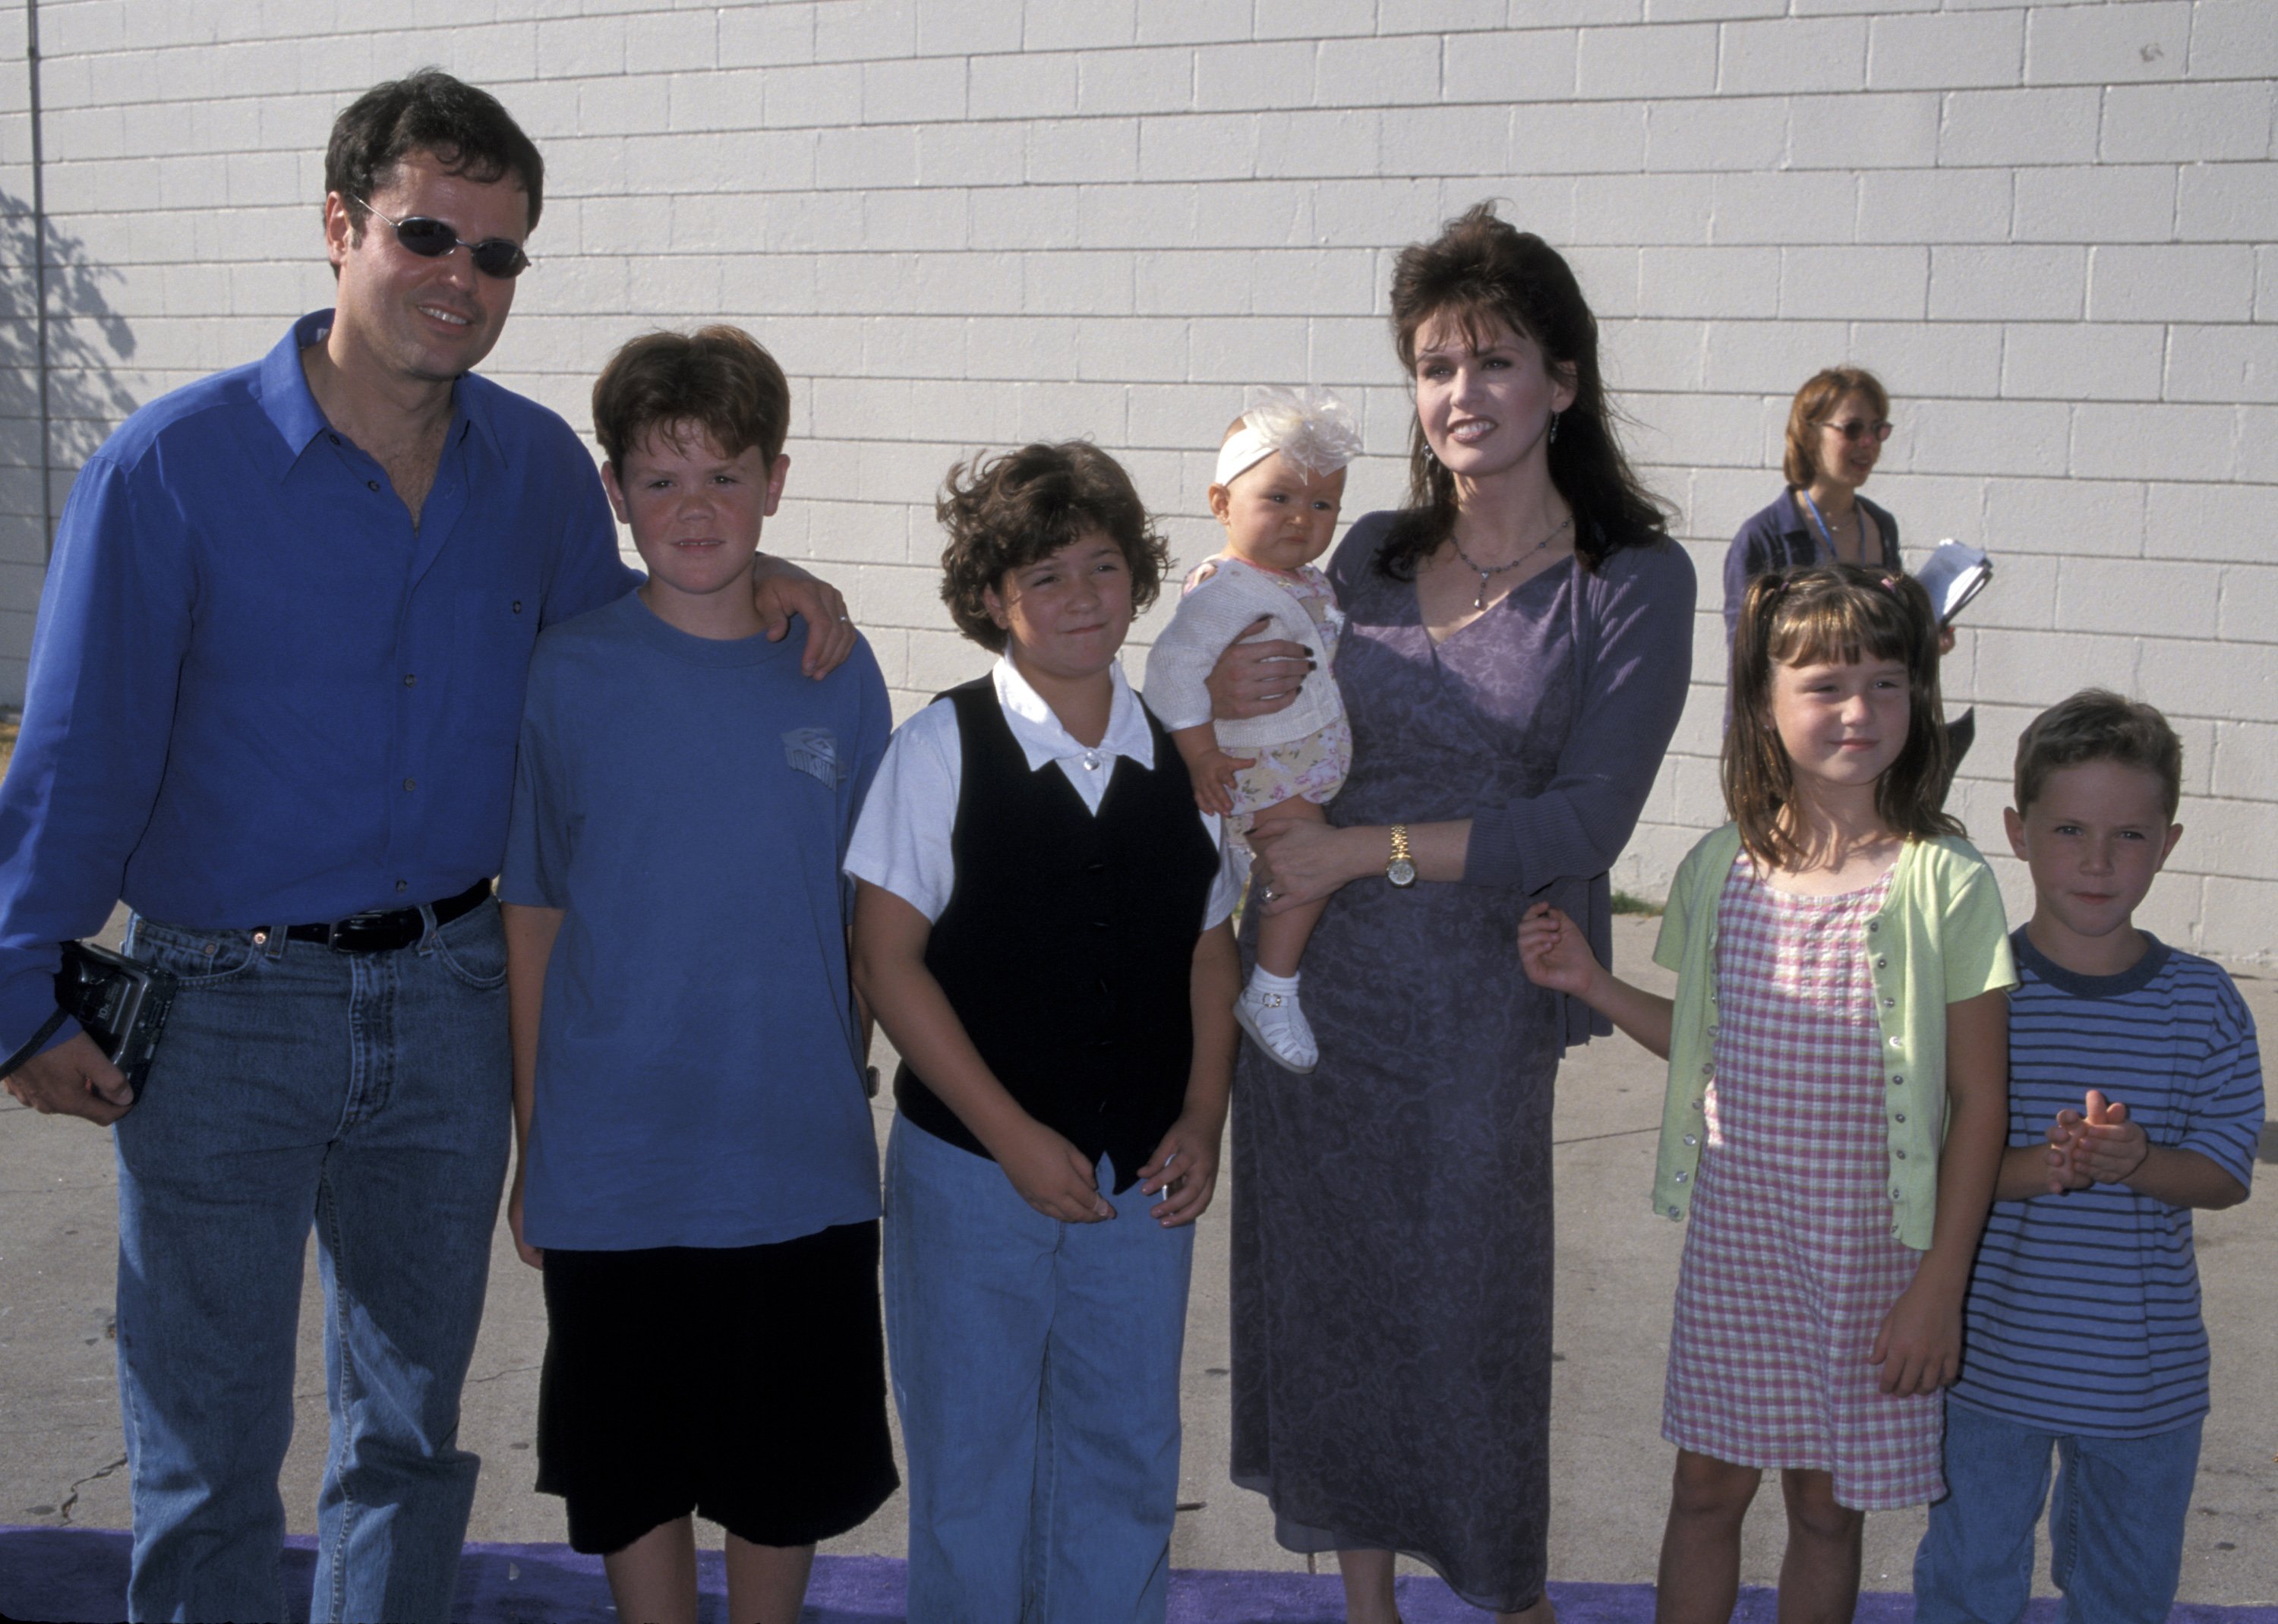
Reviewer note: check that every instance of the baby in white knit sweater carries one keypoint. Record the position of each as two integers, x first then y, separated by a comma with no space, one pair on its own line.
1280,480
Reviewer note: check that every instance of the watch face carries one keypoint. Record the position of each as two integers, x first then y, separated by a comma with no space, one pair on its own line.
1400,871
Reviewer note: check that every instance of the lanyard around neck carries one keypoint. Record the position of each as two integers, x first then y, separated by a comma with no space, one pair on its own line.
1827,535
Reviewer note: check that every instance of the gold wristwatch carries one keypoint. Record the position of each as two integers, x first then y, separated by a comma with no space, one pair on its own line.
1400,871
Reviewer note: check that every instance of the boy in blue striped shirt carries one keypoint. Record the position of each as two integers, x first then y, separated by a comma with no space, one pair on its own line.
2135,1096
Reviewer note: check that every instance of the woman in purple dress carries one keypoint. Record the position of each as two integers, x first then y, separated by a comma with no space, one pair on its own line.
1518,645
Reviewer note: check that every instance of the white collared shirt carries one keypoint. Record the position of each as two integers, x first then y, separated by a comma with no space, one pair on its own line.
902,841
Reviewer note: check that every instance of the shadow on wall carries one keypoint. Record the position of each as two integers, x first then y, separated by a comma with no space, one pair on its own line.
86,339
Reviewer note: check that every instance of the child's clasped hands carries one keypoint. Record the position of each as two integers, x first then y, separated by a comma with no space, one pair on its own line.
2095,1145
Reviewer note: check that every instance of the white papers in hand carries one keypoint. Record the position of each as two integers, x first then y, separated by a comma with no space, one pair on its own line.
1952,575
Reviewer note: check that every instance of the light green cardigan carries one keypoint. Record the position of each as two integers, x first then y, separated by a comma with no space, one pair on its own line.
1939,937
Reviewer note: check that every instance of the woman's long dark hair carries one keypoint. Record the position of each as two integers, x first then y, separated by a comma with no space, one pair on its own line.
1835,615
1478,272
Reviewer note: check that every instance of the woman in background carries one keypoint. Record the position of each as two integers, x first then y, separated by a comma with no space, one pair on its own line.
1836,427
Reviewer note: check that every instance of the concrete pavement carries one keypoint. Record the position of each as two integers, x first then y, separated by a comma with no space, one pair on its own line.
61,1459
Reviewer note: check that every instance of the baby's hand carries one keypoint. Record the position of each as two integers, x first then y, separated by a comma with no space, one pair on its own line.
1209,769
1554,952
1212,772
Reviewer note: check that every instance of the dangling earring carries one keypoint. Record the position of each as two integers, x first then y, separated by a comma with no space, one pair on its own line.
1430,456
1553,428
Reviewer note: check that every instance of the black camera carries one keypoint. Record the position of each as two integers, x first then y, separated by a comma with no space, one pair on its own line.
121,1004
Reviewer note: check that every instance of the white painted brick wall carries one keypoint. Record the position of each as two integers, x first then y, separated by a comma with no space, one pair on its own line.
964,222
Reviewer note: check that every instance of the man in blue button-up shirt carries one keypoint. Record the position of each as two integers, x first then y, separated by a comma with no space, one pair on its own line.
273,703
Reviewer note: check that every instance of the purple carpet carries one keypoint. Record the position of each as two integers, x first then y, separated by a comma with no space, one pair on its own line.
72,1574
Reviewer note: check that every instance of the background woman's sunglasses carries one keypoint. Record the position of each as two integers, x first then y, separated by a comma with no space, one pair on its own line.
1855,430
493,256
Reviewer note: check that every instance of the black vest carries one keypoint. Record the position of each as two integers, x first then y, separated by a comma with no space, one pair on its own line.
1067,945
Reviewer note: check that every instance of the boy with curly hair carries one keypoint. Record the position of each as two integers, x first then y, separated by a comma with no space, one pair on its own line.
1041,926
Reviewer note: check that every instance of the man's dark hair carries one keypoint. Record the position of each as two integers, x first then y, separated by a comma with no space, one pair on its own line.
464,129
718,379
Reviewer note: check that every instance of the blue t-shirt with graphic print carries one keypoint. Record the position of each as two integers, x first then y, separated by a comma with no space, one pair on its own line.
2083,1308
687,804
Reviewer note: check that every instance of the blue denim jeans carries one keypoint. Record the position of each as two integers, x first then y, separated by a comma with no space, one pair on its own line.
367,1096
2116,1523
1035,1366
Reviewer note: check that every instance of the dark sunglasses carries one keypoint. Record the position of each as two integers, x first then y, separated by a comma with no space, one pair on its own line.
1856,429
493,256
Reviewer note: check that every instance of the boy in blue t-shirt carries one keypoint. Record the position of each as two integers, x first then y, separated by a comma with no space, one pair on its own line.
2135,1096
697,1174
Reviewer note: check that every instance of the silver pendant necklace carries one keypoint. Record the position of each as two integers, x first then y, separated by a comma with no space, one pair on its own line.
1486,575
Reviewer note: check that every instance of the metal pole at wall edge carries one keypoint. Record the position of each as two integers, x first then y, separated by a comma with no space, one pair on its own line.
40,278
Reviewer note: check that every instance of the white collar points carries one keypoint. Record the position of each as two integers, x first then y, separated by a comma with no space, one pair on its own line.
1041,738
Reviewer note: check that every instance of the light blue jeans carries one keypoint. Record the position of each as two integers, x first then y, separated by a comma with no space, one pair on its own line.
1035,1366
2116,1523
367,1096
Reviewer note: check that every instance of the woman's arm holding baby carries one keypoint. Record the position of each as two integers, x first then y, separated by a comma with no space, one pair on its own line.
1306,861
1258,679
1554,952
1184,1167
1642,608
1302,861
530,934
889,971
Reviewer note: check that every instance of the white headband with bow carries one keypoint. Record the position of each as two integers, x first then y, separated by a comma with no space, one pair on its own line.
1310,428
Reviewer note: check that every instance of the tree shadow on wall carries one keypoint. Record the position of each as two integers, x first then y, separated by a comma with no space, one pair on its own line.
86,401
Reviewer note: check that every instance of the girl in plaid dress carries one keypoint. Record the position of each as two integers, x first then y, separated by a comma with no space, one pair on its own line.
1838,1096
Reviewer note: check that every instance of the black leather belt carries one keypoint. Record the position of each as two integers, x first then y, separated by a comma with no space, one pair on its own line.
384,930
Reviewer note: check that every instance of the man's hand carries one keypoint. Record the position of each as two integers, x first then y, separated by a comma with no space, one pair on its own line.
781,590
74,1080
1258,679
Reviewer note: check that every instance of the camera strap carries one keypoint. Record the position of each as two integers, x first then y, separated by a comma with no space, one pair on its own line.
38,1040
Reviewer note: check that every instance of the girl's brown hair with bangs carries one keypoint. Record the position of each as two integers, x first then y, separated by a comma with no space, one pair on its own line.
1839,614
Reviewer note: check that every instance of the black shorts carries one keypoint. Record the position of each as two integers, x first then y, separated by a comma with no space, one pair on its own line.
747,1384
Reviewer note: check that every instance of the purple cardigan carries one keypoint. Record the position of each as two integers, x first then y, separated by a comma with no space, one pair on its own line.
1633,628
